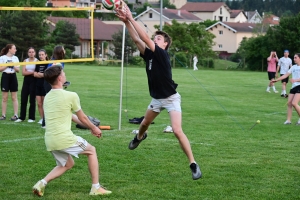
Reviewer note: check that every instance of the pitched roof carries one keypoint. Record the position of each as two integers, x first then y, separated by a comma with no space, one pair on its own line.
177,14
235,27
271,19
203,6
102,31
235,13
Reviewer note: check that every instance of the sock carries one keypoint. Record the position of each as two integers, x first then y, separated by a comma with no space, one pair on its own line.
284,92
44,182
268,88
274,88
17,115
97,186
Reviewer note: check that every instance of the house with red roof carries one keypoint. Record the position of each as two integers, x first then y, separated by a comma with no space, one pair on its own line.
209,10
102,32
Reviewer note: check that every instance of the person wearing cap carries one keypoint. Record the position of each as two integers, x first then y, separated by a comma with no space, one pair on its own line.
284,65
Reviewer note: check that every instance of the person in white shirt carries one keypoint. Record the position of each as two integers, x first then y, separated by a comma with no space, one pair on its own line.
9,82
294,96
195,60
284,65
28,88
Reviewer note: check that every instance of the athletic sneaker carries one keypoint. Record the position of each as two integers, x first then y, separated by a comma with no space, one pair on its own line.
282,95
40,121
286,96
135,142
30,120
196,173
275,91
268,91
18,120
298,123
14,118
287,122
168,129
100,191
2,118
39,189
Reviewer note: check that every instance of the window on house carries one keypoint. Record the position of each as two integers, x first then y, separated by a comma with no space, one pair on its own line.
220,46
215,17
220,32
220,19
220,11
150,15
226,19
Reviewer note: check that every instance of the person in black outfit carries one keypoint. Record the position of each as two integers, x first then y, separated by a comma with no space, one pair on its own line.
28,88
161,86
40,90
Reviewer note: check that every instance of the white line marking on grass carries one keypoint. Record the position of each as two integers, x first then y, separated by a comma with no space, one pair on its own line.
21,139
275,113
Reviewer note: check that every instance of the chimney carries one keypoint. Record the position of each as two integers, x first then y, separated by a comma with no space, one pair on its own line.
179,13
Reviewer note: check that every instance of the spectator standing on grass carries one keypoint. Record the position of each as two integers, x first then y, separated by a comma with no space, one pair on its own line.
59,139
28,88
294,96
195,61
161,86
272,59
284,65
9,81
40,90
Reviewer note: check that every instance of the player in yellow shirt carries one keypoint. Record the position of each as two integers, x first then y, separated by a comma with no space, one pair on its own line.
60,140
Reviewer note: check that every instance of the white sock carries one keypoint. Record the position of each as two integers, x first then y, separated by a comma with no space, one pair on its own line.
97,186
44,182
274,88
268,88
284,92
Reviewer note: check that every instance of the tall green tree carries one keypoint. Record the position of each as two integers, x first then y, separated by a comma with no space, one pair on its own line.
129,47
24,29
65,34
20,3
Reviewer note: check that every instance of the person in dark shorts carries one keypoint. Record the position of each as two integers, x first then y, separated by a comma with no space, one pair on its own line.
272,59
294,96
40,90
284,64
9,81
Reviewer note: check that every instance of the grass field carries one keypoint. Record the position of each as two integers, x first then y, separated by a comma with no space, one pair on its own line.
219,107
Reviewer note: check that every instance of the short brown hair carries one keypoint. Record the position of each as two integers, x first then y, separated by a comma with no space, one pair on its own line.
51,73
167,38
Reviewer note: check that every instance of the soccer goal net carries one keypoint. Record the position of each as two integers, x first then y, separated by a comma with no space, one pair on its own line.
40,28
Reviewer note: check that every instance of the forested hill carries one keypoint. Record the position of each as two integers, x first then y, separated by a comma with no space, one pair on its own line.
277,7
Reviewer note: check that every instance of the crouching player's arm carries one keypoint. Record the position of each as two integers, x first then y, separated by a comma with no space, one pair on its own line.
83,120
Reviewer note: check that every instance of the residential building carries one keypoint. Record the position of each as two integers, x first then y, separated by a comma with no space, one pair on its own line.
102,32
253,16
151,17
73,3
270,19
238,16
209,10
229,36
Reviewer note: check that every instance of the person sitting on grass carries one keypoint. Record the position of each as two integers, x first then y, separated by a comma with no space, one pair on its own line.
59,139
294,96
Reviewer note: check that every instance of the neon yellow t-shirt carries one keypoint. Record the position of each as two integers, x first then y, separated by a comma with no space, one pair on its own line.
58,107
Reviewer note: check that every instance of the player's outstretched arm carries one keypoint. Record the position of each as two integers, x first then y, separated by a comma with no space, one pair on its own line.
87,123
133,34
140,31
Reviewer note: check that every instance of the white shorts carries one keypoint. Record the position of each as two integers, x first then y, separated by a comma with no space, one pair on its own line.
172,103
61,156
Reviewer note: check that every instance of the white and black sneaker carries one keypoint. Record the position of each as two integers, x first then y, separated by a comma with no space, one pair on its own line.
287,122
196,172
135,142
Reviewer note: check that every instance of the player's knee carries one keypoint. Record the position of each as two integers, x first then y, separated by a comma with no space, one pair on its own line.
70,164
4,99
294,104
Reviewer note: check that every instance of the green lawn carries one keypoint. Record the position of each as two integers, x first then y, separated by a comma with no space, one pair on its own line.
219,107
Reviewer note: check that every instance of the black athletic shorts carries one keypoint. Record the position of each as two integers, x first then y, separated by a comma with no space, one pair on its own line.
9,82
286,80
271,75
40,90
295,90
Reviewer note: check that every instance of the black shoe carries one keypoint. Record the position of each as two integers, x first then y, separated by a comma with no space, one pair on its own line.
196,173
135,142
282,95
286,96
